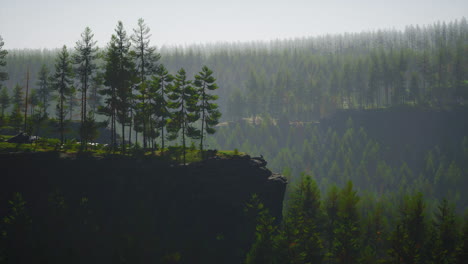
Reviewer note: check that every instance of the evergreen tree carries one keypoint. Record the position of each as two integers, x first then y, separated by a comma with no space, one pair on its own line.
4,100
44,88
147,59
331,209
16,117
62,81
3,54
72,102
85,67
160,87
210,115
407,241
126,78
346,242
446,233
302,224
262,250
119,77
95,96
184,104
462,248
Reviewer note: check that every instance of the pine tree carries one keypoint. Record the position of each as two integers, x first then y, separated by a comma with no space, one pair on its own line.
5,101
407,241
126,76
346,242
302,224
184,104
44,88
119,76
331,210
160,88
446,233
462,248
62,81
262,250
147,59
16,117
85,67
3,54
210,115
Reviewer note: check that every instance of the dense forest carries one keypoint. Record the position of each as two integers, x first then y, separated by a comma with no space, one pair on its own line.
369,128
309,78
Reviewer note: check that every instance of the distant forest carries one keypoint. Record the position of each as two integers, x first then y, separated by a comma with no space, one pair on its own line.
369,128
282,89
305,79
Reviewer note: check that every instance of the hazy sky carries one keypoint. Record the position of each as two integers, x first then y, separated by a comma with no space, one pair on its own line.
53,23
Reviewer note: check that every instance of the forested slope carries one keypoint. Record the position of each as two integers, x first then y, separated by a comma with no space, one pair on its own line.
305,79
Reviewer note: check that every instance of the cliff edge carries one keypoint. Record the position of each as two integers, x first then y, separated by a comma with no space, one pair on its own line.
141,210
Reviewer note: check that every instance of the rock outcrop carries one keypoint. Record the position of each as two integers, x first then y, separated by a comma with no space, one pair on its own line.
152,208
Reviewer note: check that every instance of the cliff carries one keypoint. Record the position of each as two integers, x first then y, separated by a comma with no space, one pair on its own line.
136,210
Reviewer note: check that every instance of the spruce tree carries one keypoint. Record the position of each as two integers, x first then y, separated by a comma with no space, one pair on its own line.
44,88
262,250
161,86
146,65
4,101
446,233
302,223
210,115
3,54
84,57
119,76
346,242
184,105
62,81
16,117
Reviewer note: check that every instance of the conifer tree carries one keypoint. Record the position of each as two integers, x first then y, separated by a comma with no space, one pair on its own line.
119,76
4,101
346,242
147,59
3,54
407,241
62,81
446,233
210,115
184,105
262,250
302,224
16,117
161,85
44,88
84,58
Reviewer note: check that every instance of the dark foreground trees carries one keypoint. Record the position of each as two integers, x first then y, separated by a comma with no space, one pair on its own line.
364,230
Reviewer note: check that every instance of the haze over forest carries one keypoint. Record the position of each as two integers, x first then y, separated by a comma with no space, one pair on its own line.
157,132
53,23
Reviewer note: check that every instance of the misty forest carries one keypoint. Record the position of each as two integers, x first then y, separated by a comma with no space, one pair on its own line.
124,152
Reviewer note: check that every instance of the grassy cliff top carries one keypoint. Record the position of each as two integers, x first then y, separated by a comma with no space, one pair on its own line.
73,148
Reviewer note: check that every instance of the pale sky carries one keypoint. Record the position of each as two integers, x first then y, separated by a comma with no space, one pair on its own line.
53,23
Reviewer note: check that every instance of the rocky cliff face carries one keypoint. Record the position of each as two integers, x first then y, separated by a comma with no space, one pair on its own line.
139,210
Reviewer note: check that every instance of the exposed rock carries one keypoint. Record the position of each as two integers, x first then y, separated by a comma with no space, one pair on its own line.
197,210
22,138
